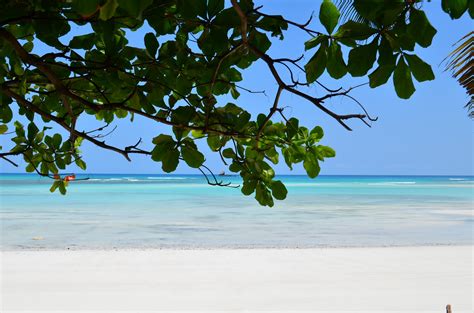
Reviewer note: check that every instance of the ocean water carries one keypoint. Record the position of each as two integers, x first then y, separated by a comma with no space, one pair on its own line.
182,211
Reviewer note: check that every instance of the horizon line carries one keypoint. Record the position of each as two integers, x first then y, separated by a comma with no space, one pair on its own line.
230,175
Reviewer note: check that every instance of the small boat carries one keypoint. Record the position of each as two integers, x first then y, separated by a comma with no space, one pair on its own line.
222,173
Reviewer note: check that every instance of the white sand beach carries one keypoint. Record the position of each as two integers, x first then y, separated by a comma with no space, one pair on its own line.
405,279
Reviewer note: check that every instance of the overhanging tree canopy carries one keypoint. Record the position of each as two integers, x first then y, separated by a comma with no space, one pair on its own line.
195,52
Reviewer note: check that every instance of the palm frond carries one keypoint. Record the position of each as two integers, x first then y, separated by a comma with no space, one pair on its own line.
349,12
460,62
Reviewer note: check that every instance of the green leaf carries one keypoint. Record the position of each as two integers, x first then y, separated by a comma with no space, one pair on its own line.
170,160
6,113
272,155
108,9
151,44
380,76
19,129
227,18
50,28
197,134
163,143
335,63
275,25
455,8
234,92
32,131
85,7
382,12
278,190
54,186
311,165
235,167
60,163
316,65
3,129
192,9
248,186
135,8
214,7
386,52
228,153
421,70
260,41
192,156
314,42
329,15
292,126
183,114
56,141
326,152
161,24
368,9
62,187
362,58
317,133
85,42
162,139
82,165
355,30
30,168
28,46
262,195
402,80
78,142
214,142
420,28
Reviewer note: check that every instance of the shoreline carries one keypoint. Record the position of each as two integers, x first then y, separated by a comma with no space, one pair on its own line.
233,247
395,279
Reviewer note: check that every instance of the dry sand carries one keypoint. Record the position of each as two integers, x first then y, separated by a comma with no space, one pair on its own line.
411,279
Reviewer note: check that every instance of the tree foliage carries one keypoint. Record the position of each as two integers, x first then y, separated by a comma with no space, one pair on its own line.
193,52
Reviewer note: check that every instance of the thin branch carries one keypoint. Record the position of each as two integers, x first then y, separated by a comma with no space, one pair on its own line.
8,160
215,182
243,20
221,60
317,102
273,109
302,26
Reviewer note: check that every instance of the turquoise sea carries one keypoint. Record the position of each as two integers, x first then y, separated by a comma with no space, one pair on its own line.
182,211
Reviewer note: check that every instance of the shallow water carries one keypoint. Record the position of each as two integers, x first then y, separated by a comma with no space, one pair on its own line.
149,211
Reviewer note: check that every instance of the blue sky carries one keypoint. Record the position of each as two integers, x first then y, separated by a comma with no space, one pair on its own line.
429,134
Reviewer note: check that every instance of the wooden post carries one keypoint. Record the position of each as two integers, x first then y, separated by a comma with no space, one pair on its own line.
448,309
